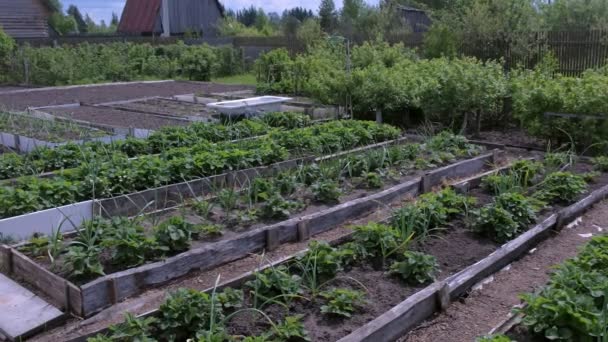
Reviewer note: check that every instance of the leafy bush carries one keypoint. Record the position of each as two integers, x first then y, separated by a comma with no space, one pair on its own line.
198,63
276,207
128,244
539,91
415,268
562,187
342,302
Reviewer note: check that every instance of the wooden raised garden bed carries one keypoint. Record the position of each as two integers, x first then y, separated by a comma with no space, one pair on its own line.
89,298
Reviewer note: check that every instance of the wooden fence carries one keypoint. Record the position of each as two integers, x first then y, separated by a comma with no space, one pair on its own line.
576,51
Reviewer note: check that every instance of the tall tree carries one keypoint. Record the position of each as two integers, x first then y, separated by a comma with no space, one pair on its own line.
247,16
328,15
351,9
299,13
80,23
115,20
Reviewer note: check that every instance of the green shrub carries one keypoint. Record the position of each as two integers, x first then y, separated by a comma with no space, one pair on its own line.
198,63
83,262
415,268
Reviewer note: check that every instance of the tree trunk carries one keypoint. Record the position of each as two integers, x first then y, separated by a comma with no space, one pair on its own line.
463,128
378,115
478,124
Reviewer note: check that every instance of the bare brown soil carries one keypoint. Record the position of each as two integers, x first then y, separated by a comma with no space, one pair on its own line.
512,137
484,309
108,93
169,107
115,118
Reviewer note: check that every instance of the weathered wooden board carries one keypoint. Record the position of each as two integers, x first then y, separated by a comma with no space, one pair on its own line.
568,214
460,282
460,169
53,286
22,313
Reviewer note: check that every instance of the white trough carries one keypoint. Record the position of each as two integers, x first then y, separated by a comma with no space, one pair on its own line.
250,106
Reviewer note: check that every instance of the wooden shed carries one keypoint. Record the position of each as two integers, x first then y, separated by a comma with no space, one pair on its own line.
25,18
415,18
171,17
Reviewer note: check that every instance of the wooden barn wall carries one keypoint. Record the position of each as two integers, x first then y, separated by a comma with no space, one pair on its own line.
194,15
24,18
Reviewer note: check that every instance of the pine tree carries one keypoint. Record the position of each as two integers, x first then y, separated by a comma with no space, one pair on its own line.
328,15
80,23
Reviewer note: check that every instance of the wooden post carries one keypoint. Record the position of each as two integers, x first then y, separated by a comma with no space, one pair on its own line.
378,116
443,297
272,239
425,184
67,307
112,291
303,231
6,259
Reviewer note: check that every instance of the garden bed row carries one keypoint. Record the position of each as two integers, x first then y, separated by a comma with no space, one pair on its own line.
23,133
456,278
69,217
122,175
89,298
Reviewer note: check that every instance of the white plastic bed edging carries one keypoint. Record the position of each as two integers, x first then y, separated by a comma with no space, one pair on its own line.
26,144
67,218
250,106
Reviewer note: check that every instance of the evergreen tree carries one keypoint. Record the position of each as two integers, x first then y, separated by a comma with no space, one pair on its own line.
114,21
80,23
328,15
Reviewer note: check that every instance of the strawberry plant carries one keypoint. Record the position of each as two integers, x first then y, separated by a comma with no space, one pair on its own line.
291,329
415,268
133,329
228,198
37,246
230,298
276,207
526,170
376,241
173,235
202,208
573,305
600,163
493,338
342,302
185,312
506,217
326,191
202,231
373,180
561,187
557,160
274,284
319,264
82,262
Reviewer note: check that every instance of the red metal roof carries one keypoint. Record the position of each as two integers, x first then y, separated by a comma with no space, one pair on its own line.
139,16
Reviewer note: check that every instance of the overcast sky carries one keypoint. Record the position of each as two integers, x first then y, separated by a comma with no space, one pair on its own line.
102,9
